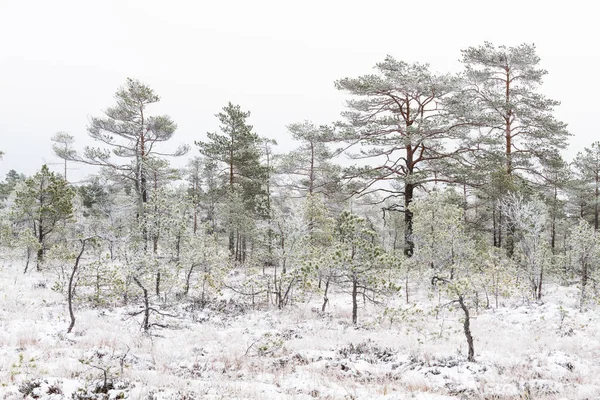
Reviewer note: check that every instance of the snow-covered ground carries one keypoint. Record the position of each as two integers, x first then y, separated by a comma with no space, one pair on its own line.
231,351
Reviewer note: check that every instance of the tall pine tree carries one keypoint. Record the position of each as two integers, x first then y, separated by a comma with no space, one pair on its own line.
238,148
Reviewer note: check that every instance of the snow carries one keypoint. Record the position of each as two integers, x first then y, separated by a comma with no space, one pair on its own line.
544,351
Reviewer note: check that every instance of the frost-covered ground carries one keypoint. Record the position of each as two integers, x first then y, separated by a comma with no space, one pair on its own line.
231,351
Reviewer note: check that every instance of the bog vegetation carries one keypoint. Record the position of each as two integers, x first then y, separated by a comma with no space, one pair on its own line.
458,190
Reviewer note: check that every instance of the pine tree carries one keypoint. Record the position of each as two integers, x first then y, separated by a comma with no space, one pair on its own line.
193,174
584,254
309,166
501,100
556,177
398,118
513,123
448,257
10,182
62,147
238,147
587,165
360,263
45,202
128,133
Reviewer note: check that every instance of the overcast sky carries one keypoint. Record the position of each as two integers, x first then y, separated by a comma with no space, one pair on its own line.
61,61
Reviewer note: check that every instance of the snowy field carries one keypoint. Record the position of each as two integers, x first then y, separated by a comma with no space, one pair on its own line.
231,350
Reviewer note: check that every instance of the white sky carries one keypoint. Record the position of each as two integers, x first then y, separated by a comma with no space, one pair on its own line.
61,61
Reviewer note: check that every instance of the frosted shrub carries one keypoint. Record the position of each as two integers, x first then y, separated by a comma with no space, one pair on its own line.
528,222
457,267
583,256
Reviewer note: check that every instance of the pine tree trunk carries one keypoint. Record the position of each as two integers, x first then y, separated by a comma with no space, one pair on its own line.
231,242
70,287
188,277
467,329
40,259
539,288
510,241
354,300
510,245
554,212
508,127
408,220
146,322
158,284
597,197
28,259
40,252
584,281
238,247
325,298
499,228
244,248
494,227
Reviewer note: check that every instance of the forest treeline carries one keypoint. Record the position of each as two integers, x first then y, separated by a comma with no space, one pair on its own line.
457,185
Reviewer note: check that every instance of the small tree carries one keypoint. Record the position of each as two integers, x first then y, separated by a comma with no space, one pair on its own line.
309,167
130,139
14,239
291,244
584,255
74,271
318,244
587,164
142,269
10,183
45,202
448,257
62,147
204,263
238,148
193,173
360,263
528,221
